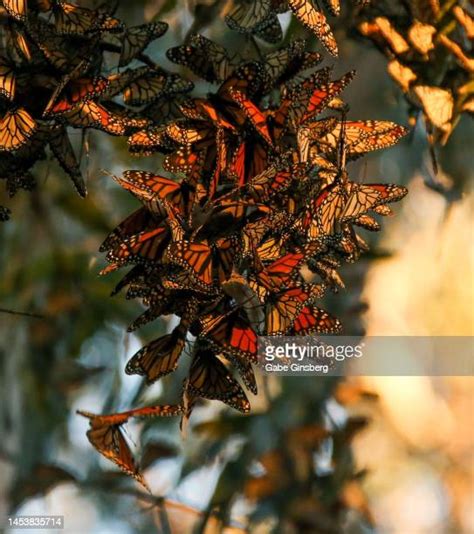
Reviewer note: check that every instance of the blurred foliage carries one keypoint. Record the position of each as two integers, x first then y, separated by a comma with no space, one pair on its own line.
429,45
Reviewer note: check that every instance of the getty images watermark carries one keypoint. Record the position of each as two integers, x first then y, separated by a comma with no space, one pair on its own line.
376,356
313,357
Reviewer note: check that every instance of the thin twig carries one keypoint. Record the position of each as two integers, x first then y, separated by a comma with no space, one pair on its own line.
24,314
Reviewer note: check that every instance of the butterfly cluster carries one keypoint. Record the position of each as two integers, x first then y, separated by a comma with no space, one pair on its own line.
244,231
260,18
430,52
65,67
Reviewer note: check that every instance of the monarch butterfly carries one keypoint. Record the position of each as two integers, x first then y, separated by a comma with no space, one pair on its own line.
72,92
283,307
185,133
327,272
237,165
153,312
146,246
285,64
205,58
253,114
271,277
57,49
250,79
308,101
61,147
184,280
231,334
158,358
163,410
272,248
277,63
209,378
138,284
322,96
219,224
363,136
363,197
147,141
146,185
307,84
130,119
165,109
16,127
367,222
74,20
152,85
323,213
245,370
18,9
316,22
90,114
120,418
294,102
19,39
195,258
117,82
135,276
172,299
200,109
256,18
314,320
108,439
253,234
382,209
268,183
137,38
307,134
225,251
349,245
185,161
131,225
248,161
7,79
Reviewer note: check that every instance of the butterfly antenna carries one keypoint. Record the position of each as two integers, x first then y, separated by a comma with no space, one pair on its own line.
105,172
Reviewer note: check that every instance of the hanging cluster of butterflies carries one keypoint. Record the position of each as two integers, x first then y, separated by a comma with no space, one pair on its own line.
66,67
260,18
243,231
429,45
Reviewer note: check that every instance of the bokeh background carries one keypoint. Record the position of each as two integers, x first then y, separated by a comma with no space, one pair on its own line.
411,459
